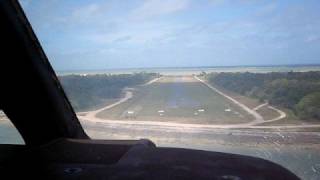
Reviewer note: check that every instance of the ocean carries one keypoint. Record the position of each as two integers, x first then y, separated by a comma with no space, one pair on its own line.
196,70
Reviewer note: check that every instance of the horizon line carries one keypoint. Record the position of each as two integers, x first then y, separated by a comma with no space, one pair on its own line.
186,67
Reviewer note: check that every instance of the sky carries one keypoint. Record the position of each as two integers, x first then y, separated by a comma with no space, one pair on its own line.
97,34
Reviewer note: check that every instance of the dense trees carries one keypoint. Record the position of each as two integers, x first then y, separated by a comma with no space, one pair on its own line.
291,90
309,106
88,91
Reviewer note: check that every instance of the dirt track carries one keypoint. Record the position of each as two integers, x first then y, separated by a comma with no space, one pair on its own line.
91,116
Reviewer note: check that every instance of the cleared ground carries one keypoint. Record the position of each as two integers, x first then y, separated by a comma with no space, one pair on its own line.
180,99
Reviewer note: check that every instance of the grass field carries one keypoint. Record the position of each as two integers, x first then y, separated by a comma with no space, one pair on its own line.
180,99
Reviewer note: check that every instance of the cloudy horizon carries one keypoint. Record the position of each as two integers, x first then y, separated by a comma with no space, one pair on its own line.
175,33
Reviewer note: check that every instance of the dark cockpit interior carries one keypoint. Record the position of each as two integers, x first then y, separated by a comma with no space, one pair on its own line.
57,147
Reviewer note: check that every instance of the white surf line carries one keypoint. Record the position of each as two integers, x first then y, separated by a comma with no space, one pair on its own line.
257,116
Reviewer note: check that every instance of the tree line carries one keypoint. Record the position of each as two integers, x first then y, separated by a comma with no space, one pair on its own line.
87,91
298,91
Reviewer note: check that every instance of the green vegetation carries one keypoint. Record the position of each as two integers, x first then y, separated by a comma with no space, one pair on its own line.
88,91
297,91
309,106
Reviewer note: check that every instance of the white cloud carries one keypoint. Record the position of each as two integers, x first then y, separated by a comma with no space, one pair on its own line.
161,32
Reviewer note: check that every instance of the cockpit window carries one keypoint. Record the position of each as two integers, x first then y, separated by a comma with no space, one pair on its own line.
8,132
231,76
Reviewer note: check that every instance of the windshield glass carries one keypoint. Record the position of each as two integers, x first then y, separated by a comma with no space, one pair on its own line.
230,76
8,132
